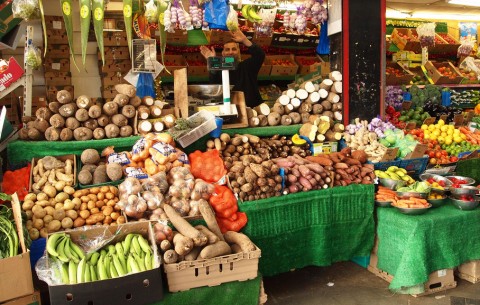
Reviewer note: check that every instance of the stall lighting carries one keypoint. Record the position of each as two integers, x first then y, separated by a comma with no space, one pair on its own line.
397,14
446,16
464,2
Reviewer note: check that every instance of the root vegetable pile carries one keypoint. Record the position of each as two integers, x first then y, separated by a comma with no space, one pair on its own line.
358,137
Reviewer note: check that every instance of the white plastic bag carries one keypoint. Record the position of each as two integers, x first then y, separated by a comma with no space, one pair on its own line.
426,34
232,20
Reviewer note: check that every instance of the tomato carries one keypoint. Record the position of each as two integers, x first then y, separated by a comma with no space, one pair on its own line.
434,142
430,144
438,154
444,153
431,154
453,159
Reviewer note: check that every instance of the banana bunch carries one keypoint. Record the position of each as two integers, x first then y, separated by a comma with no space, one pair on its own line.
131,255
249,12
395,173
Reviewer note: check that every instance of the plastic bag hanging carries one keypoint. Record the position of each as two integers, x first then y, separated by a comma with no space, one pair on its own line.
232,19
151,12
426,34
323,47
26,9
145,86
33,57
216,12
465,48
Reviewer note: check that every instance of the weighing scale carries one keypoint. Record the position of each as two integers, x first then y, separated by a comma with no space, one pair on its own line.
225,110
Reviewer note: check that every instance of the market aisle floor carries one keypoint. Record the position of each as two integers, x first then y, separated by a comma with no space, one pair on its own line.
354,285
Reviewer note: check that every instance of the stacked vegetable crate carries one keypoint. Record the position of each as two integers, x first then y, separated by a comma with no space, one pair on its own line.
57,60
117,58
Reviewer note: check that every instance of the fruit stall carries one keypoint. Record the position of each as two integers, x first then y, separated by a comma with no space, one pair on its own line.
165,198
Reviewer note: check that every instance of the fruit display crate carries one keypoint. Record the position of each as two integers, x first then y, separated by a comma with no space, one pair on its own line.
212,272
397,75
435,72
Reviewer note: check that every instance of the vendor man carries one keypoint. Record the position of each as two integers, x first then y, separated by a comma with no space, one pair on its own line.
244,78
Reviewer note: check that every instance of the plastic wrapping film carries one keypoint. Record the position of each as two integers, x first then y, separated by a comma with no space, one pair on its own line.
91,239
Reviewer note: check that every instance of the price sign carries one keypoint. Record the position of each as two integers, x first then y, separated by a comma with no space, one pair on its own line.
390,154
444,118
458,119
469,116
417,152
429,121
144,55
406,105
411,125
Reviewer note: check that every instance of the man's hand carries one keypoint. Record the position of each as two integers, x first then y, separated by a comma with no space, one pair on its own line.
206,52
239,37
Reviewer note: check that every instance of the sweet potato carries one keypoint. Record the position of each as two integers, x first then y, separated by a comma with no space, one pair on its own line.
217,249
184,227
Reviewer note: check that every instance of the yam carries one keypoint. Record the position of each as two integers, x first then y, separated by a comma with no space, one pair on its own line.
68,110
112,131
82,134
99,133
143,112
103,120
135,101
278,108
240,239
66,134
184,227
81,115
71,123
43,113
296,117
182,244
57,121
274,119
95,111
217,249
114,171
110,108
41,124
84,102
64,97
119,120
127,130
128,111
54,106
121,100
100,175
34,134
126,89
90,156
52,134
90,124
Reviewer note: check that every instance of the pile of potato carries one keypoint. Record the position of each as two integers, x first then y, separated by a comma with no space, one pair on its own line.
82,119
53,209
51,174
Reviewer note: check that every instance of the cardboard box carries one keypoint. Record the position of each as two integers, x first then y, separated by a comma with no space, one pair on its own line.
32,299
217,36
392,79
11,105
404,39
439,280
115,39
7,22
37,102
284,39
62,158
21,283
172,63
112,79
11,75
57,65
115,53
58,78
289,70
442,46
212,272
313,67
324,148
470,271
57,38
308,40
52,91
58,51
177,37
108,93
112,65
196,70
138,288
265,69
439,79
55,25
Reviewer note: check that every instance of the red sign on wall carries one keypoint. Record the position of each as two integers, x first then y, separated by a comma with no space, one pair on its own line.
11,74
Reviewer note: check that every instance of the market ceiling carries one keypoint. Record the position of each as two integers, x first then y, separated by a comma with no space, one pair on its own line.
430,9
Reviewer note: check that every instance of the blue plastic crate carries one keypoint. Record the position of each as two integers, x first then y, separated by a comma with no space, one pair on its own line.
415,167
383,166
362,261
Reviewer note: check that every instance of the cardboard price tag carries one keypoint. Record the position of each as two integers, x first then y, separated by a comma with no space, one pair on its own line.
417,152
429,121
458,119
444,118
469,116
411,125
406,105
390,154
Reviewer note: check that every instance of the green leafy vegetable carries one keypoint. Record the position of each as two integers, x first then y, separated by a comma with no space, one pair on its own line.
67,18
127,17
98,12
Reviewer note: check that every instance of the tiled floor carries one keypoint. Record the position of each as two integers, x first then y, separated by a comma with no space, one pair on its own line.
347,283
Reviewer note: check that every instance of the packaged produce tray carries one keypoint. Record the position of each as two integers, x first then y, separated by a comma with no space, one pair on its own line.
212,272
208,125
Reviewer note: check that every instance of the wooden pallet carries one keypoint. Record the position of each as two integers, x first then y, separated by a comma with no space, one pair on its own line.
468,277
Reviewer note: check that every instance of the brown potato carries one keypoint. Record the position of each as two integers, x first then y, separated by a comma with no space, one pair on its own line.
95,218
94,190
94,210
77,203
121,220
54,226
109,195
100,196
85,214
27,205
115,215
47,219
44,233
72,214
107,211
61,197
59,215
113,190
40,213
42,196
83,206
50,210
78,222
67,223
92,197
111,203
84,198
59,206
100,204
68,205
108,220
91,204
69,190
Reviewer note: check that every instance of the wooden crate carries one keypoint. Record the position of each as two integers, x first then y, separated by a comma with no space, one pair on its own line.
438,78
393,80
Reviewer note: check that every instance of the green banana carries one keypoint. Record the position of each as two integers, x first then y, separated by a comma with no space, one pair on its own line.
52,243
102,273
107,262
87,274
144,244
119,249
81,270
140,262
93,274
135,245
79,252
64,272
148,261
400,173
113,271
111,249
128,243
60,250
245,9
72,255
94,258
392,169
118,266
133,264
72,272
129,267
252,13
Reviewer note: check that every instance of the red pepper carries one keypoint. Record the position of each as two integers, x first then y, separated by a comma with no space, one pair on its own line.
396,114
390,110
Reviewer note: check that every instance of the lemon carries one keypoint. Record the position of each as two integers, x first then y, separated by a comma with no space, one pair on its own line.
436,132
427,136
456,132
424,127
441,122
431,127
448,140
457,139
444,128
433,137
449,132
441,140
443,134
